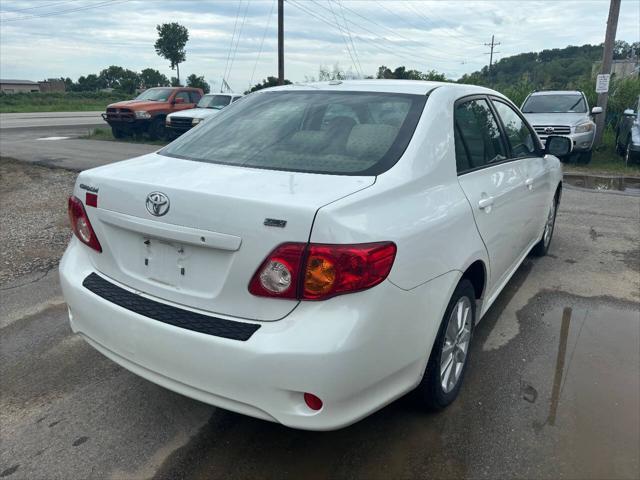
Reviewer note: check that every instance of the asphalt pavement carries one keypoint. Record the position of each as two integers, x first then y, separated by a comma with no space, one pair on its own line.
553,388
54,140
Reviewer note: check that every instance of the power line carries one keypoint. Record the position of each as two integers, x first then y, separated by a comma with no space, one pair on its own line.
233,58
233,36
69,10
346,26
393,52
344,38
430,23
264,34
397,34
46,5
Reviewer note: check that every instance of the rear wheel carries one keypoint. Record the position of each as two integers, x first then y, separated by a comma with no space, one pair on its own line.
157,129
450,353
585,157
118,132
542,247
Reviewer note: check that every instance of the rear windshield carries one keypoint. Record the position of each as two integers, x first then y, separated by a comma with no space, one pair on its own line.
345,133
554,104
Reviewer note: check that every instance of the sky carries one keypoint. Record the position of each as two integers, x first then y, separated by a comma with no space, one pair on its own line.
237,39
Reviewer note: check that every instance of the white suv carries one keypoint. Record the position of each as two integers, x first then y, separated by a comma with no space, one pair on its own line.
560,112
313,252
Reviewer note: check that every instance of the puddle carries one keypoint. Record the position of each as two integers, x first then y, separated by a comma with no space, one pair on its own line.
630,185
53,138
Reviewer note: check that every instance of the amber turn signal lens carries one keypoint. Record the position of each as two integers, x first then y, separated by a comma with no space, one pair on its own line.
320,275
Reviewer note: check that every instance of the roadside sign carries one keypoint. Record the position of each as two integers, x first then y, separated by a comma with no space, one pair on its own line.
602,83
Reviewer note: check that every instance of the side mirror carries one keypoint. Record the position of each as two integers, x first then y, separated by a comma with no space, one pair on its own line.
596,110
558,146
178,100
629,112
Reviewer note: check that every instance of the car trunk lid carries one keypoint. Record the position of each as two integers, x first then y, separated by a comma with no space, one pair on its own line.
203,251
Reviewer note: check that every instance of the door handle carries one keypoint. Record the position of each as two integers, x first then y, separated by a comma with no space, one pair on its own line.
529,183
485,202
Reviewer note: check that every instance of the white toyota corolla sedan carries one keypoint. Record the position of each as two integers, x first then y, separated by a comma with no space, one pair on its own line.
313,252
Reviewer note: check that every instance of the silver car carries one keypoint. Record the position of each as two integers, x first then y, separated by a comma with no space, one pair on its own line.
566,113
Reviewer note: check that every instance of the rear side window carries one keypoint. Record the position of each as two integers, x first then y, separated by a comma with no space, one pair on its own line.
518,133
195,97
477,132
184,96
346,133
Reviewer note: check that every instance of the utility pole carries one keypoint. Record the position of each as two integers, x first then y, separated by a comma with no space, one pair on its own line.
492,45
280,42
607,59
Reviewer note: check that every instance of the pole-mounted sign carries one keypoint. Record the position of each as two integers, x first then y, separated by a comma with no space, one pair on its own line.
602,83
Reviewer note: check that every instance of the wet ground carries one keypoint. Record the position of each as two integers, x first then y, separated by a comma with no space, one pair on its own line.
553,389
629,185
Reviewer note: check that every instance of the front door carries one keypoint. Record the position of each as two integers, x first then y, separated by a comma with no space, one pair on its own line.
523,146
493,184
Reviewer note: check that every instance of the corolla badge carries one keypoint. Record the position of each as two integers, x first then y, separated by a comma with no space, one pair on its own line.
157,204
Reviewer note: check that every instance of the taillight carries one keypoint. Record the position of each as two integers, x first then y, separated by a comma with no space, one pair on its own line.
317,271
81,225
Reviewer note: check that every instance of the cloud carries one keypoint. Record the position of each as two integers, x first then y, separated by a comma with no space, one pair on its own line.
444,35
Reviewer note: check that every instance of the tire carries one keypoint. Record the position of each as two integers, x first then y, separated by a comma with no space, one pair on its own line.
431,392
118,132
157,130
542,247
585,157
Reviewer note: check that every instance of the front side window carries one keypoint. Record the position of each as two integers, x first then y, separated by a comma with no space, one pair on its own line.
520,137
479,135
560,103
287,130
184,96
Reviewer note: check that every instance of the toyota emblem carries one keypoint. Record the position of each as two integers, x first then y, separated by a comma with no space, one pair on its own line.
157,204
549,130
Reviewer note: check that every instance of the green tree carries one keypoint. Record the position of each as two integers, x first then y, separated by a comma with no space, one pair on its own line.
198,82
153,78
110,77
172,38
401,73
266,83
90,83
175,82
118,78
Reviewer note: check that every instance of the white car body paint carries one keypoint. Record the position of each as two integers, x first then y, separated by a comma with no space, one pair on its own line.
358,351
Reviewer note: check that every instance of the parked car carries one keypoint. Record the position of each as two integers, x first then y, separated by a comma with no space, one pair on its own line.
628,135
559,112
146,113
208,106
316,251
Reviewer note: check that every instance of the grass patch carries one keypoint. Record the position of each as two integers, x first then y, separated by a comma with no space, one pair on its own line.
605,160
105,134
58,101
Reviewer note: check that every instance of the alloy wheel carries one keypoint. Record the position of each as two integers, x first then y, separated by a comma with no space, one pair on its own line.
456,344
548,228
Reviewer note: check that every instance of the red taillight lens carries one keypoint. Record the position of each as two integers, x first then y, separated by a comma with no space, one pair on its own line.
312,401
81,225
335,269
318,272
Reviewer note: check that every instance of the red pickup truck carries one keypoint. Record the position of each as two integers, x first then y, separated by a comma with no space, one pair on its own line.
146,113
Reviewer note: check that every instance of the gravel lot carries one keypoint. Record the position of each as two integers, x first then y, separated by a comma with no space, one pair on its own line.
35,228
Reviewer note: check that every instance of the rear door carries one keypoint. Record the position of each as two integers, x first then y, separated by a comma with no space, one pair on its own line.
493,184
183,95
524,148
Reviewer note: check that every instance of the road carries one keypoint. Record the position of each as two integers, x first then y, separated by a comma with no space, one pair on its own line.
50,119
553,388
52,139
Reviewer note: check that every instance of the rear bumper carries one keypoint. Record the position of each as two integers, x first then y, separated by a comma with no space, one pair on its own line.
356,352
